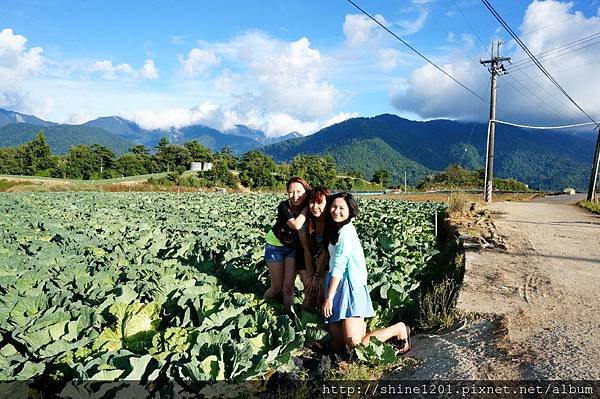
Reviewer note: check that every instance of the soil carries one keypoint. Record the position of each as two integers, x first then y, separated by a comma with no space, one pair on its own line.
530,297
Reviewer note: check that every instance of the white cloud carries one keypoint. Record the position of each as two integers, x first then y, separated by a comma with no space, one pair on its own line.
339,118
431,94
199,62
149,70
361,30
280,76
212,115
226,81
523,96
280,124
410,27
389,59
17,64
110,71
206,113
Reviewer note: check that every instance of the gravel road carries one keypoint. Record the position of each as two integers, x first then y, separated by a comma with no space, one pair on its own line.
534,306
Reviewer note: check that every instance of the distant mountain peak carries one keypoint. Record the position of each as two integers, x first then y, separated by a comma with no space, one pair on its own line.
7,117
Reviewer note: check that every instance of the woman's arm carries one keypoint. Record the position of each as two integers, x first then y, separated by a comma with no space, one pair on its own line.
343,248
328,303
297,222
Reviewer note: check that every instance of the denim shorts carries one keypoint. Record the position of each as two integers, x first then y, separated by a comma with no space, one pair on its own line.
275,254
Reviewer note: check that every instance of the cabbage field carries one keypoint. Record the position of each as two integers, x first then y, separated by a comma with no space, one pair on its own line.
167,287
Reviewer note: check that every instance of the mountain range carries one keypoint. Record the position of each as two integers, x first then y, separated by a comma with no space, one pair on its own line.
119,134
546,160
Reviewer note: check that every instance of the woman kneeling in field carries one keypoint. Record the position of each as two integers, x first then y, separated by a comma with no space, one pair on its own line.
347,301
282,241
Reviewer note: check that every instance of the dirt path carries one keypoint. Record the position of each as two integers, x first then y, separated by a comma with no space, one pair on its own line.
538,301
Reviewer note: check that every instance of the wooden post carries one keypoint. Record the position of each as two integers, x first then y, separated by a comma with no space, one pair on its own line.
594,177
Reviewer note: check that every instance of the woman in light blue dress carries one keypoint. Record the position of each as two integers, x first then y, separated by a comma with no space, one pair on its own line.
347,302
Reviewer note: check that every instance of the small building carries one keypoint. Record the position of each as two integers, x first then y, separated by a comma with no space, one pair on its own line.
200,166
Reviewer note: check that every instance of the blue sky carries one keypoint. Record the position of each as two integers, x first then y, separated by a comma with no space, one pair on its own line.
287,65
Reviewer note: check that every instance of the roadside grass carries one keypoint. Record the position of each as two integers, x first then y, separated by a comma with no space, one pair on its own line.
359,371
6,185
593,206
438,306
458,203
471,197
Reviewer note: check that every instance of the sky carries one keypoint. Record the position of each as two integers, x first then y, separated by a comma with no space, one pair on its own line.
292,65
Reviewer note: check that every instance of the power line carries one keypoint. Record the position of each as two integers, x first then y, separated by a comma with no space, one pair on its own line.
535,60
554,56
472,129
470,26
539,101
530,79
563,47
543,103
543,127
416,51
577,66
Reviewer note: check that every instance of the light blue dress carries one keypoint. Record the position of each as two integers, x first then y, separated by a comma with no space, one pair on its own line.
347,262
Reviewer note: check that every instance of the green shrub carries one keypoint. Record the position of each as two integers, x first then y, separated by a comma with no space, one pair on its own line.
593,206
438,306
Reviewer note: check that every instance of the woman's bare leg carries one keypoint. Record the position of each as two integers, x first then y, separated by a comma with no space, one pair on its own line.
385,334
289,281
276,274
309,298
337,335
354,330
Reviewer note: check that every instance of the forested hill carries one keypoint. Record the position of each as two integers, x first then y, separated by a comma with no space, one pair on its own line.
545,160
61,137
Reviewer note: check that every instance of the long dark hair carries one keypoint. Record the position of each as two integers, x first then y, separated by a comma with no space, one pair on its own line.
332,228
316,194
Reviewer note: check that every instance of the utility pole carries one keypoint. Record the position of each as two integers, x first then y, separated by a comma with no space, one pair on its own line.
594,178
404,181
496,68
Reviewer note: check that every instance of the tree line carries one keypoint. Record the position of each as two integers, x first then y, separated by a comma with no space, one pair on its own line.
253,169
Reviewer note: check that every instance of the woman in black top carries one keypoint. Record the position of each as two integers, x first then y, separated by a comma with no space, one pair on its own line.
311,259
282,241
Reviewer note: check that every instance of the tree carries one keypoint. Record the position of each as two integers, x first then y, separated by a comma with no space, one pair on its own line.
357,174
228,157
80,162
105,158
344,184
381,176
256,170
170,156
219,175
198,152
9,162
139,149
317,170
133,164
36,156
